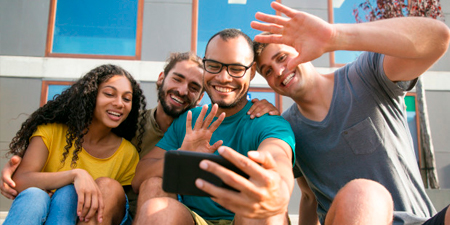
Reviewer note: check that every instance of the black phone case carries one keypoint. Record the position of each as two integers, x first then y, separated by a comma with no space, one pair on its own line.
181,169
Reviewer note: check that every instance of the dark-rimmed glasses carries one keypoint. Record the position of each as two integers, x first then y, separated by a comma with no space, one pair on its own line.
234,70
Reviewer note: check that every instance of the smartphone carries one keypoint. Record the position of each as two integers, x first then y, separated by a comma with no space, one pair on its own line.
181,169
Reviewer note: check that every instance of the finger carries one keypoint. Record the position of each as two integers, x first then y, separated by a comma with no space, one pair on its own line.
216,145
199,122
274,112
271,19
229,177
217,123
221,194
247,165
266,27
211,115
273,38
15,161
283,9
256,103
8,195
189,121
263,158
295,62
101,208
80,205
93,209
86,206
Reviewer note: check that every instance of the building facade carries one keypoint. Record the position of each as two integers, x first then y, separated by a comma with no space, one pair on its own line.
46,44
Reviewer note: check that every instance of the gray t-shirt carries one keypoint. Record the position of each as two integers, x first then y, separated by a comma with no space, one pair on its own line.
364,135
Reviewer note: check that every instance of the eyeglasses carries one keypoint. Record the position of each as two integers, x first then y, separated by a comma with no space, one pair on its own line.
234,70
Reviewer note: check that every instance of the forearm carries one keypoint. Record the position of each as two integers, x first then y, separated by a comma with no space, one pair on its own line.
147,168
44,180
410,37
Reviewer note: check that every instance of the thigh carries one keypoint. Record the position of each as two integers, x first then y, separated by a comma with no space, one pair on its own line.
438,219
63,206
30,207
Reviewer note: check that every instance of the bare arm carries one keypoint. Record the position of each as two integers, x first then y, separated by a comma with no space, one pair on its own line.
29,174
411,44
151,165
308,205
266,193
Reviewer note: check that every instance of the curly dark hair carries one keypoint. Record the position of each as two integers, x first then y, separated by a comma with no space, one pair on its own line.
75,107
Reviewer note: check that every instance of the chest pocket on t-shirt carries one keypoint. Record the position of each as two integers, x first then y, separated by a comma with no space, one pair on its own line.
363,138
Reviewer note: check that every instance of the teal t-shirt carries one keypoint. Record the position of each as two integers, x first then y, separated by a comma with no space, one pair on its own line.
238,132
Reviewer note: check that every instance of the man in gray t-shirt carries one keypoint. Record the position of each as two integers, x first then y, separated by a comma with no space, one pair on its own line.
355,157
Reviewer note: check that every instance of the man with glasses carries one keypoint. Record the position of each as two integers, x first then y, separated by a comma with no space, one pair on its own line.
267,141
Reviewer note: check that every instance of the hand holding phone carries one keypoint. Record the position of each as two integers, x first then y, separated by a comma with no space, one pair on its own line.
181,169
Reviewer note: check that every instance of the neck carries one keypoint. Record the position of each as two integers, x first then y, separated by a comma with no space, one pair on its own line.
314,103
231,111
162,119
97,133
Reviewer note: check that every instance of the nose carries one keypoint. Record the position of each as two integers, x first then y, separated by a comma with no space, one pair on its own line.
223,76
118,102
183,90
279,69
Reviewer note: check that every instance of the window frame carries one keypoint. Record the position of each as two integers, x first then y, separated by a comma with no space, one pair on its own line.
44,89
51,28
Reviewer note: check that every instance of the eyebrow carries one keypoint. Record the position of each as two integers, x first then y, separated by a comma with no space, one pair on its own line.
273,57
184,77
109,86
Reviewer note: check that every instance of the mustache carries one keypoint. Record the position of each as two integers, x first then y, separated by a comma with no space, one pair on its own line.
182,97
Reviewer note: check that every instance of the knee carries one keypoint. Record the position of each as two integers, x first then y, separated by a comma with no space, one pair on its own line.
110,185
365,194
36,195
367,190
152,187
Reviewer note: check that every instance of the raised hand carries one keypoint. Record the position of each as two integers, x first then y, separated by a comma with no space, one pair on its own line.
309,35
261,107
198,139
90,200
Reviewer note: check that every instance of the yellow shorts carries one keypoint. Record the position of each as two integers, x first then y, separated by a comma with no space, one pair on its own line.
200,221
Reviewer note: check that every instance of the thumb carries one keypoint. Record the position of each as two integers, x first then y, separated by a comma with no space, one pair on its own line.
265,159
15,161
295,62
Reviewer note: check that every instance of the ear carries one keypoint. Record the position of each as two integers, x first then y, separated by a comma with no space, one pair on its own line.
253,71
200,98
160,78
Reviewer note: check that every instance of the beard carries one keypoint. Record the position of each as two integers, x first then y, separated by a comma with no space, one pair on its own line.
171,110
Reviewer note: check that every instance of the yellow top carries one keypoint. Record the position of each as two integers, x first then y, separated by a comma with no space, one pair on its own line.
120,166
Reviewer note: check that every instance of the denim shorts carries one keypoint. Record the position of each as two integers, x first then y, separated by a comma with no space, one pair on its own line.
127,219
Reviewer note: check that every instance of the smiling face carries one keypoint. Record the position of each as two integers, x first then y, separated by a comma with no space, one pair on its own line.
181,88
272,64
113,102
229,92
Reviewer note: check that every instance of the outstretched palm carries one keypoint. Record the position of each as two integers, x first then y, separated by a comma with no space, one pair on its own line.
197,139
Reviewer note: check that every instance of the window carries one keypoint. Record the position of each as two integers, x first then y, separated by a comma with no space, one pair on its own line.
95,29
51,88
259,93
214,16
341,11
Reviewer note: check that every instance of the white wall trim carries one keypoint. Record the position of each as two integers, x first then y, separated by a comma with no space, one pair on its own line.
73,68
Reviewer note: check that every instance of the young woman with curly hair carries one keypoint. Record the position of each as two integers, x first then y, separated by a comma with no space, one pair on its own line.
77,153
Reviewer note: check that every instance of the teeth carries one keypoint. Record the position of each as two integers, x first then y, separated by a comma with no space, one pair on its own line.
288,78
114,113
177,99
222,89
